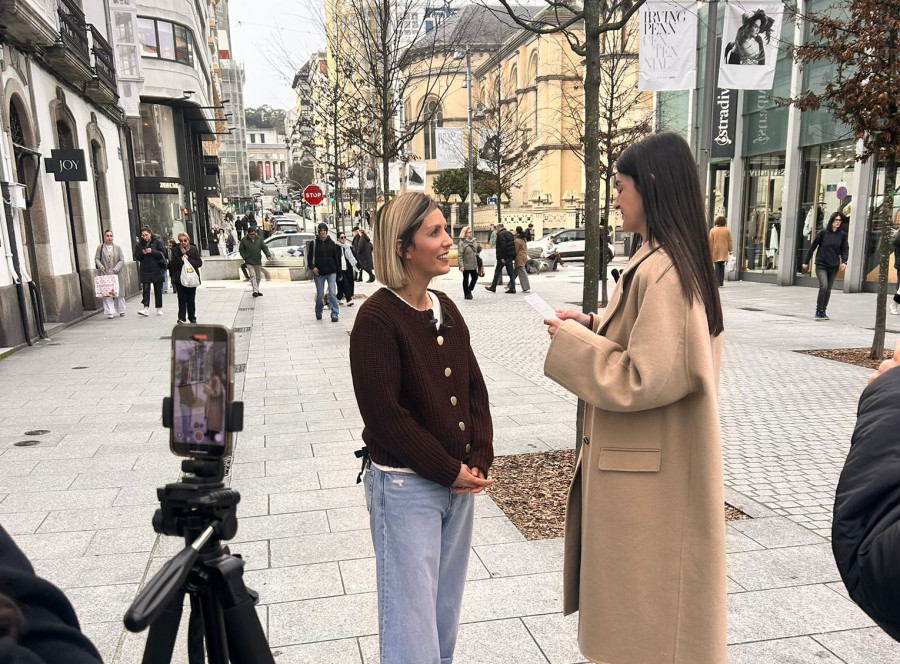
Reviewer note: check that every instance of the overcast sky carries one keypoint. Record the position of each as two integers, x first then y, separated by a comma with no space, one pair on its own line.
283,32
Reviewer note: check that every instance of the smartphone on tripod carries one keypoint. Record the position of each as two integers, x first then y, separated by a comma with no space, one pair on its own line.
202,386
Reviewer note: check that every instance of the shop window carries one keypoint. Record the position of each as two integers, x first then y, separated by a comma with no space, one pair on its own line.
162,213
155,152
167,41
761,230
873,225
147,34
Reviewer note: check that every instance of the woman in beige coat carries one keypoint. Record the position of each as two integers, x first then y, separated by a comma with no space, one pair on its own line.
720,244
645,532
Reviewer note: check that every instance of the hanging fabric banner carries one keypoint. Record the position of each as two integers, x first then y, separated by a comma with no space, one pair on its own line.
448,147
415,176
668,46
750,45
393,175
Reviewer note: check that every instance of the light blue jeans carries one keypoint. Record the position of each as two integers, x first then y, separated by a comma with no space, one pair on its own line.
332,293
422,534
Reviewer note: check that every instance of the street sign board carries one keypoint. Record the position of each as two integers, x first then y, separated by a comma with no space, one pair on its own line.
67,165
492,200
312,195
842,193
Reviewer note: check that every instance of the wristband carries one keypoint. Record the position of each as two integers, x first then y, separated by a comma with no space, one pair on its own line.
590,324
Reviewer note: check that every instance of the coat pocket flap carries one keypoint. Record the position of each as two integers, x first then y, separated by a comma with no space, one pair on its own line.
630,460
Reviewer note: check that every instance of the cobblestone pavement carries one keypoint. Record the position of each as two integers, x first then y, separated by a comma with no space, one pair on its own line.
79,502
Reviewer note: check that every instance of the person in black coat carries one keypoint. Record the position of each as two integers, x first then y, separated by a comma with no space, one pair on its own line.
150,253
37,623
184,251
506,256
831,242
865,529
364,256
240,227
324,261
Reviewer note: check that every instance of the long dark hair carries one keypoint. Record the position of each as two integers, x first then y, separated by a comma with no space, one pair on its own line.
835,215
665,175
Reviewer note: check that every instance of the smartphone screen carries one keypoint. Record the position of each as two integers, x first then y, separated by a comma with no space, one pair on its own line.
201,386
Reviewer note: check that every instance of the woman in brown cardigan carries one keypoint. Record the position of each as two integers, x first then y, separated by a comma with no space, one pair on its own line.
428,434
645,541
720,244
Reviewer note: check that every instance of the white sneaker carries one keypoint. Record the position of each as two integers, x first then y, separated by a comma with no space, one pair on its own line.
144,312
159,312
895,308
111,316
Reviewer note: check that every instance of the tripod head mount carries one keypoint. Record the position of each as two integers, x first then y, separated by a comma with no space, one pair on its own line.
198,501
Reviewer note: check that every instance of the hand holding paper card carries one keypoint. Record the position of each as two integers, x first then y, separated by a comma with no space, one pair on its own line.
540,305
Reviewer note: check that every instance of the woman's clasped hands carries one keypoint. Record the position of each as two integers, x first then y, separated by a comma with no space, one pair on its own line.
470,480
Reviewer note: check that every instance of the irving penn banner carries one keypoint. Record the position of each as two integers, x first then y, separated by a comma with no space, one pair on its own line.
668,46
449,147
750,45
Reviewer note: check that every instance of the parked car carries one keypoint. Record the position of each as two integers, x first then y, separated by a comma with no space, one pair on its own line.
285,225
569,243
287,249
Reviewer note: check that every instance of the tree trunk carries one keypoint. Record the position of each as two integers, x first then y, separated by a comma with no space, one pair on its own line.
885,250
591,172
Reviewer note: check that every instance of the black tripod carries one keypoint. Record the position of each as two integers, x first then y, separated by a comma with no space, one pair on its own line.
202,510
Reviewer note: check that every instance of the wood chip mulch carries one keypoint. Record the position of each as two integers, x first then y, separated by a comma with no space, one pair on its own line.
857,356
531,490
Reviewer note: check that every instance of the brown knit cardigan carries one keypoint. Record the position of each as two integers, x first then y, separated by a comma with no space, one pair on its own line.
420,392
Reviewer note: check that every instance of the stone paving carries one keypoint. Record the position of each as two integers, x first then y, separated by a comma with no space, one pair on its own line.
80,501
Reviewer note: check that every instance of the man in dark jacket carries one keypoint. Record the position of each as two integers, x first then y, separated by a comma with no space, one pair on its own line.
37,622
506,256
324,259
240,226
252,248
150,253
866,526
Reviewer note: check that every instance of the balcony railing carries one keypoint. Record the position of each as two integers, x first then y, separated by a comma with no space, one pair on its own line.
104,60
73,30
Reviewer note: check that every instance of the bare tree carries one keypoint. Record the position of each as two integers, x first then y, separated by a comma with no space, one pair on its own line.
380,49
863,44
582,22
507,154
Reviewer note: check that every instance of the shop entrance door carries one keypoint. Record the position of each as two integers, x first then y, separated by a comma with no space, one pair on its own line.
761,225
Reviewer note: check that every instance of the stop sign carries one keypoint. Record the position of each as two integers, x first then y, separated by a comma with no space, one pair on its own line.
312,195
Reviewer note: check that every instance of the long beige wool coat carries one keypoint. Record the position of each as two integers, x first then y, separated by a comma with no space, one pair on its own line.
645,533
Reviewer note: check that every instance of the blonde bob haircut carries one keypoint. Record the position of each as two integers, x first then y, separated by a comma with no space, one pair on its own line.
399,220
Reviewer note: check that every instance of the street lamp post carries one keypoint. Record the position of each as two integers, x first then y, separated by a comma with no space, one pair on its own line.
471,163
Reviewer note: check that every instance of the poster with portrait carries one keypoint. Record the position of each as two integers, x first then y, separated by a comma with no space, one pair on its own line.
491,145
415,176
750,45
393,175
668,46
448,147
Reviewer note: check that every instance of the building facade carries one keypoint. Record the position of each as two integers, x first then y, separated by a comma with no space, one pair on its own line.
58,91
779,173
267,155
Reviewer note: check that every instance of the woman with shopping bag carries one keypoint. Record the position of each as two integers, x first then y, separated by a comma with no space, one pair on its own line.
110,259
184,259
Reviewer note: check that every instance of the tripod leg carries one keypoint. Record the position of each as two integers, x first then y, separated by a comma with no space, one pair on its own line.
213,627
195,649
163,630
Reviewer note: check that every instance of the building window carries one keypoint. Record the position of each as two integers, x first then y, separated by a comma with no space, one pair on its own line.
434,118
165,40
253,138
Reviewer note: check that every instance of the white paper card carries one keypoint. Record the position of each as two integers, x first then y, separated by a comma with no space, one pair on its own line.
540,305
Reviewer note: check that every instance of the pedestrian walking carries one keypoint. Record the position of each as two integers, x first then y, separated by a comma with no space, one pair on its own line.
213,241
529,233
644,556
428,434
354,244
325,261
229,242
151,254
506,257
720,245
521,260
110,259
867,503
187,294
223,246
364,255
346,285
467,259
492,238
895,241
831,242
252,248
170,242
240,227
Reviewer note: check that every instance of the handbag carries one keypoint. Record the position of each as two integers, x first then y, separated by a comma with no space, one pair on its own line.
106,285
189,276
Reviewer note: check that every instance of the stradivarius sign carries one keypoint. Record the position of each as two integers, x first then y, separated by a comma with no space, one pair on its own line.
67,165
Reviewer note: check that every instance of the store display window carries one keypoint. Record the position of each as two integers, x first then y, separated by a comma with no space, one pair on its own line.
761,224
